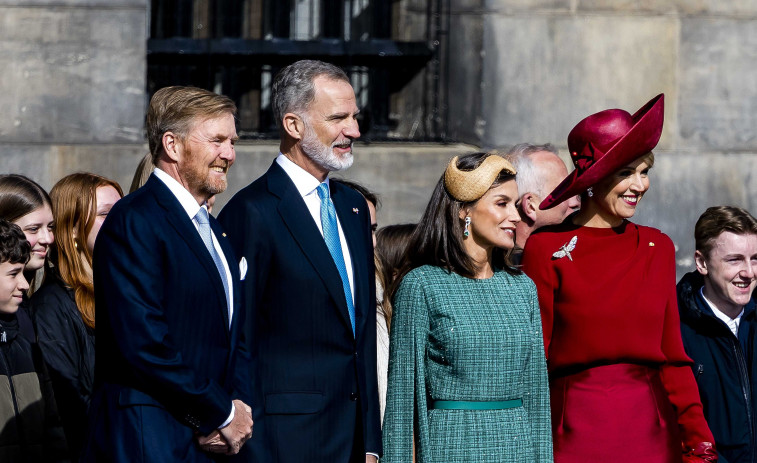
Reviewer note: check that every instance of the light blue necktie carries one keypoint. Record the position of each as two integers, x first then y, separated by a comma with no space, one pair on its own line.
331,235
207,237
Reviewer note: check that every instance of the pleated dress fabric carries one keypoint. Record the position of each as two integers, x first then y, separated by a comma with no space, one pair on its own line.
460,339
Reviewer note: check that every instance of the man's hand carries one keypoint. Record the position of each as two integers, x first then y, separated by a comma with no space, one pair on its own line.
240,429
213,442
370,459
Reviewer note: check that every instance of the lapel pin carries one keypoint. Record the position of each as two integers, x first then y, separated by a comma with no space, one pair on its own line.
354,209
651,243
565,249
223,234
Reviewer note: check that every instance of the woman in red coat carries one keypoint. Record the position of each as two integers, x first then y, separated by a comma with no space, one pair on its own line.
620,382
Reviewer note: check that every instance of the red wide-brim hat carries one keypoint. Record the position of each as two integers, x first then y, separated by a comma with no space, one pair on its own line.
606,141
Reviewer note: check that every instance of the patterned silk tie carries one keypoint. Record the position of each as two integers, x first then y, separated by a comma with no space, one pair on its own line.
207,237
331,235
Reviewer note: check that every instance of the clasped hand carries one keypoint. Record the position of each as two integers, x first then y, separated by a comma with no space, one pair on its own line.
229,439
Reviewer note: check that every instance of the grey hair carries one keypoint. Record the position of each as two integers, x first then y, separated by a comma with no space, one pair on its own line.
294,86
528,178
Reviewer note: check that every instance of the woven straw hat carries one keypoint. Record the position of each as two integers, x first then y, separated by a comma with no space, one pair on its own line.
470,185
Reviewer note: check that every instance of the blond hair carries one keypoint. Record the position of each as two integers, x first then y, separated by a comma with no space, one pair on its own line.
176,109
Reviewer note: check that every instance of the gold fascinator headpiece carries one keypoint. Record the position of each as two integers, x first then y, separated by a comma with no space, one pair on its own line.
467,186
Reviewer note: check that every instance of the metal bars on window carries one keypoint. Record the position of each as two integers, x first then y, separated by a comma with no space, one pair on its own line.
235,47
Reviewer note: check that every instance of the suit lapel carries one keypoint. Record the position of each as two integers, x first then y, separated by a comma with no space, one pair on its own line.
223,241
300,224
185,229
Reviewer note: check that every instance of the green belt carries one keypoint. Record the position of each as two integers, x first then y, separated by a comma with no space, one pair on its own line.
476,405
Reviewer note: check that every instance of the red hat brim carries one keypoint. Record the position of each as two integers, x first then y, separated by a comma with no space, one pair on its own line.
638,141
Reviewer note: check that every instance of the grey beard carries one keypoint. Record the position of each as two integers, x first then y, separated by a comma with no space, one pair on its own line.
323,155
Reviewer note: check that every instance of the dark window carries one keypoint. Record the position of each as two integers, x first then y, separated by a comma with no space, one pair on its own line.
235,47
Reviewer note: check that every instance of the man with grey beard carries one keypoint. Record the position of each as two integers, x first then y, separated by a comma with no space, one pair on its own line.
307,262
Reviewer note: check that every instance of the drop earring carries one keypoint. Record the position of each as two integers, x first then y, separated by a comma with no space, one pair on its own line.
589,192
466,230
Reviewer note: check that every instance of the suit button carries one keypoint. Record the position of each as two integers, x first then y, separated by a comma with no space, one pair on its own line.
355,354
353,396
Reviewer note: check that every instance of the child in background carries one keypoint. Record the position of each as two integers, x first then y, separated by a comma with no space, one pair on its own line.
29,421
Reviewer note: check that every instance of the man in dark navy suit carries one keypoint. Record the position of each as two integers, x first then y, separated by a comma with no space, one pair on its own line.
309,291
171,379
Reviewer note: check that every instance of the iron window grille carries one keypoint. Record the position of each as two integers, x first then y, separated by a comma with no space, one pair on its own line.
235,47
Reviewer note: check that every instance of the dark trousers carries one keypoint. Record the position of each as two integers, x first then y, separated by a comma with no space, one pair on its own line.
358,447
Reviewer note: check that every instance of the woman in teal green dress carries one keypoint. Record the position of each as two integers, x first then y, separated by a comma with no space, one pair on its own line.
467,374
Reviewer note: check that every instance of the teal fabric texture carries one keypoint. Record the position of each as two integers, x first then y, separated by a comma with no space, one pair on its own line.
459,339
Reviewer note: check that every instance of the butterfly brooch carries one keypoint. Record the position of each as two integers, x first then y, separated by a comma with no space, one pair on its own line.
565,249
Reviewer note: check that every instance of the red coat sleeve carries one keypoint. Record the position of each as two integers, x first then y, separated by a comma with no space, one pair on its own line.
677,376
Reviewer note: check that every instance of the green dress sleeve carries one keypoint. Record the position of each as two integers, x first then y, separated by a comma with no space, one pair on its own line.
536,400
406,415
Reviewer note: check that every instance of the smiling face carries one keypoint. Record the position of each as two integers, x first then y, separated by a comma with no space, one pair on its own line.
331,125
105,197
729,271
616,197
38,228
206,156
493,218
13,285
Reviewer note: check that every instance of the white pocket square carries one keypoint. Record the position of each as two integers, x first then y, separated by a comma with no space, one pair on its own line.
242,268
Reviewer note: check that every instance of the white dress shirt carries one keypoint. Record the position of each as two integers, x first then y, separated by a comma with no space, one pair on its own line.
307,186
189,203
733,323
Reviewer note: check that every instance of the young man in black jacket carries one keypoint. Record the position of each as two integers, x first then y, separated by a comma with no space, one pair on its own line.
719,328
29,425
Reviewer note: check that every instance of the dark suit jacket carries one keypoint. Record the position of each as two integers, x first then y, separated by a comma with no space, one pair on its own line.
167,364
316,382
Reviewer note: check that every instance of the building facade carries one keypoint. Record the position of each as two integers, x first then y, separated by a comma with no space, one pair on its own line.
435,78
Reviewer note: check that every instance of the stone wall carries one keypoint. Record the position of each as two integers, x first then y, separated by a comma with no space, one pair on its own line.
532,68
72,91
529,70
73,71
682,185
402,174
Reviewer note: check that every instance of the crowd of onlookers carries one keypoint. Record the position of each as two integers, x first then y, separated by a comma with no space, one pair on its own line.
524,318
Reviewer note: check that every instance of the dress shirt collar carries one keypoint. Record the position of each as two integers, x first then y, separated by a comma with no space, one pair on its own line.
303,180
187,201
730,322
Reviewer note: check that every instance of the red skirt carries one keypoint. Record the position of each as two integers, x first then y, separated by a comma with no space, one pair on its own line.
614,413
